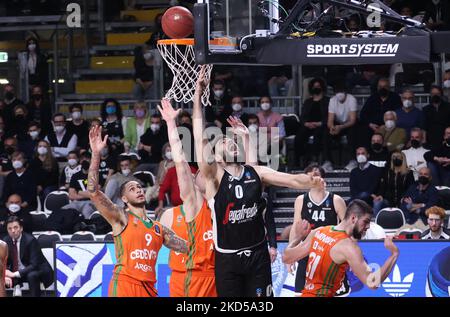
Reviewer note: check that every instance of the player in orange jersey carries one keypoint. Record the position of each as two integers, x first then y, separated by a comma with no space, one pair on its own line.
192,274
3,258
332,249
137,239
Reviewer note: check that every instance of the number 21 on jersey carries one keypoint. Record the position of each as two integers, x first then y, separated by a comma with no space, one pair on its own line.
313,262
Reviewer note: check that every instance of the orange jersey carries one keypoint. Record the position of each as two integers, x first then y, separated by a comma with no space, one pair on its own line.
137,248
323,276
177,260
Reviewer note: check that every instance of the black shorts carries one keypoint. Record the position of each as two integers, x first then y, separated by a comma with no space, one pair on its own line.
244,274
300,275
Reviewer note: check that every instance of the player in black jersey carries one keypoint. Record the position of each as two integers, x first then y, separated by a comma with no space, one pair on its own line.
320,208
234,192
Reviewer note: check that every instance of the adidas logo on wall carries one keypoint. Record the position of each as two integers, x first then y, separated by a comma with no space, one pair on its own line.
398,286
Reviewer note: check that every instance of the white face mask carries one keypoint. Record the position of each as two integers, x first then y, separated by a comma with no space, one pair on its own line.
34,134
447,83
126,171
148,55
253,128
218,93
169,155
17,164
32,47
155,127
76,115
42,150
407,103
390,124
361,159
265,106
59,129
72,162
14,208
340,96
236,107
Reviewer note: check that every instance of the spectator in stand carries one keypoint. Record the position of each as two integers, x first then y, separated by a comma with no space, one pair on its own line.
394,137
185,119
379,154
10,146
69,170
237,105
39,110
341,122
157,33
437,16
20,123
29,143
313,119
364,179
372,113
415,155
35,64
446,84
107,166
143,72
420,196
439,161
170,185
2,134
45,168
437,117
163,167
393,183
60,139
408,116
13,208
219,99
366,75
280,80
78,193
136,127
435,219
26,263
79,126
111,114
10,102
21,181
152,141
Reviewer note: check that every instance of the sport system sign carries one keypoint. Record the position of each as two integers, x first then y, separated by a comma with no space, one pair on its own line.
353,50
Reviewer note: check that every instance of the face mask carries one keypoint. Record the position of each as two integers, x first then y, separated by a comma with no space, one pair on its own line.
14,208
17,164
76,115
72,162
265,106
148,55
397,162
154,127
415,143
140,113
237,107
253,128
340,96
218,93
377,147
85,165
42,150
34,134
423,180
169,156
407,103
36,97
447,83
361,159
436,99
20,117
59,129
390,124
383,92
32,47
316,91
126,171
110,109
9,150
9,95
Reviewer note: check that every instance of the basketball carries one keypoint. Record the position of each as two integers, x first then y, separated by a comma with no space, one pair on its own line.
178,22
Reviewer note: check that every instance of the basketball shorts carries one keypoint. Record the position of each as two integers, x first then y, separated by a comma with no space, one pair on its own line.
123,286
192,284
300,275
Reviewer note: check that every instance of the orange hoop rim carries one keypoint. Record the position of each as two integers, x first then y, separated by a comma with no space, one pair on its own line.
184,41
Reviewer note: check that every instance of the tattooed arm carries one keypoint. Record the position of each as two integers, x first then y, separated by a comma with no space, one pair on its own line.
3,258
174,242
111,212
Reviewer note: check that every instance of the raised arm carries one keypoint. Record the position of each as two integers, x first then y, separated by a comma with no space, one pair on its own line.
295,181
3,258
192,199
111,212
250,143
174,242
298,205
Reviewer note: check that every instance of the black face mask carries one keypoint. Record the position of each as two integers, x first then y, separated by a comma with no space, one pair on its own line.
9,95
9,150
447,140
383,92
436,99
316,91
397,162
36,97
423,180
85,165
20,117
377,147
415,144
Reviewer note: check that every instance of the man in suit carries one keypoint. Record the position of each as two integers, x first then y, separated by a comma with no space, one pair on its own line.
26,263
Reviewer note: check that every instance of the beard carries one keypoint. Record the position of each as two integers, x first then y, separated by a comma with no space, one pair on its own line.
137,204
356,233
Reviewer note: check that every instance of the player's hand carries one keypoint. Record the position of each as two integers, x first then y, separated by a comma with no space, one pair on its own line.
237,126
302,228
291,268
273,254
8,282
168,113
317,182
389,245
95,140
202,81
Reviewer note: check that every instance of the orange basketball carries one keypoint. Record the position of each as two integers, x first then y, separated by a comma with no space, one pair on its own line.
178,22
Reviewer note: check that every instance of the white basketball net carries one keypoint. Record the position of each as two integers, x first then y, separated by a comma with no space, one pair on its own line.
181,60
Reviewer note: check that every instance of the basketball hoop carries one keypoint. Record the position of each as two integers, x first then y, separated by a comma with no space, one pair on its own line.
179,55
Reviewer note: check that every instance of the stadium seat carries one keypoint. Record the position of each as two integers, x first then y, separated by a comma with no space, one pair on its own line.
38,219
47,238
410,234
55,201
146,177
83,236
108,237
390,219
